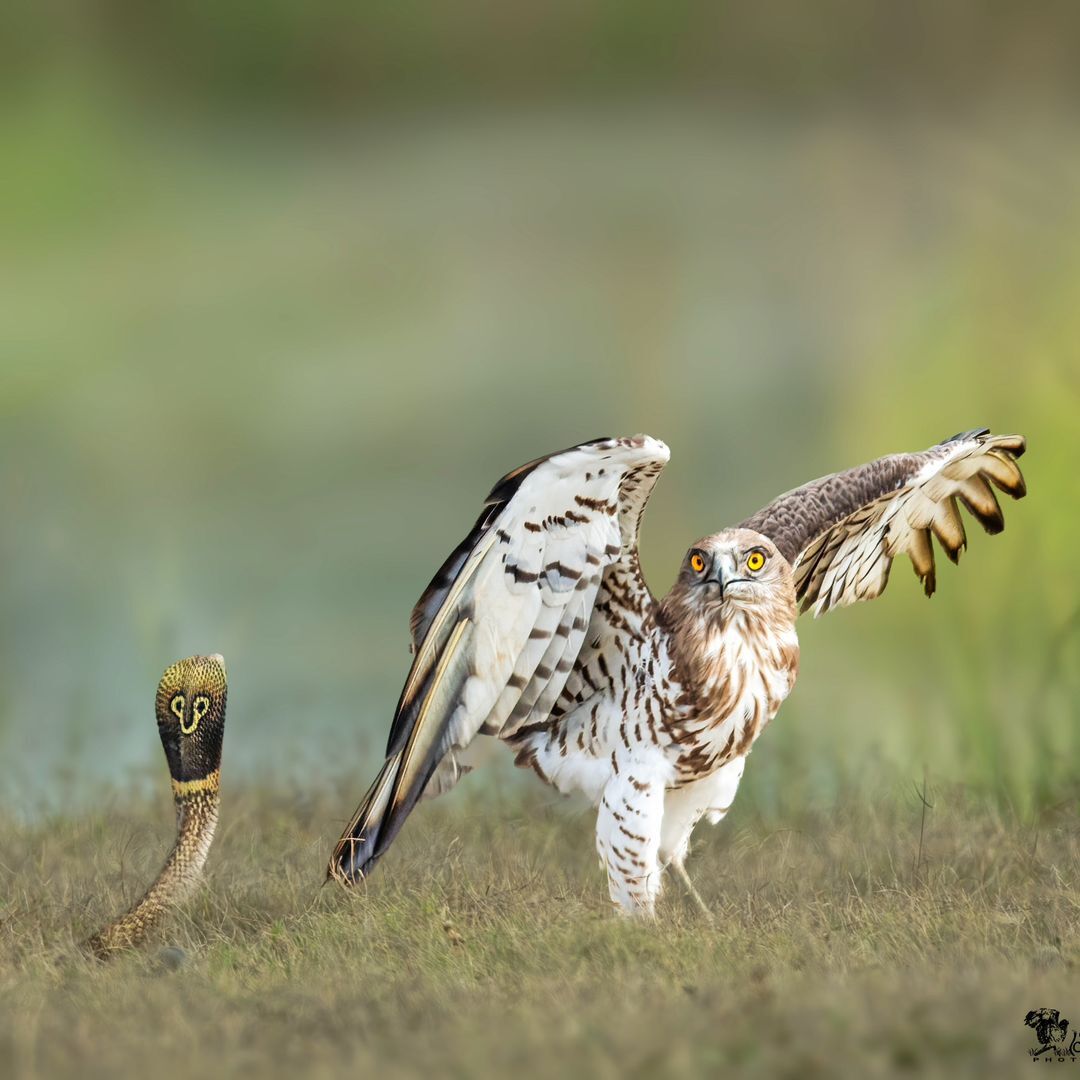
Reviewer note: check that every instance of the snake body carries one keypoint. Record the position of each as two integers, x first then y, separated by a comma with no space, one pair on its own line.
190,708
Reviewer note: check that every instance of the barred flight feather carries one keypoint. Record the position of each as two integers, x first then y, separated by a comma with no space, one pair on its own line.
492,633
863,518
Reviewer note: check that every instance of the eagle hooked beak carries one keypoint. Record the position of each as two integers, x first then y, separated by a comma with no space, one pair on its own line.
717,577
724,575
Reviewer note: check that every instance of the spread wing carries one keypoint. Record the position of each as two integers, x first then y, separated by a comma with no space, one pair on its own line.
842,532
497,632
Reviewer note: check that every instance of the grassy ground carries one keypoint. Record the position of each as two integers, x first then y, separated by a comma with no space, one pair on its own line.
484,945
323,283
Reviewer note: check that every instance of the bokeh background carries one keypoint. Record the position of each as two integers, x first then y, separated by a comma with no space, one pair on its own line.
286,287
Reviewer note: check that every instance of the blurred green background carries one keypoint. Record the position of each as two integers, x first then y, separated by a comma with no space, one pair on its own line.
285,288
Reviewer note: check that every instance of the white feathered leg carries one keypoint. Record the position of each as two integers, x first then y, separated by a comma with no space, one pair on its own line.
628,837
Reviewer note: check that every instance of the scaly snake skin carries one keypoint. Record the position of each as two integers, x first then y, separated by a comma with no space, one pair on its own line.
190,708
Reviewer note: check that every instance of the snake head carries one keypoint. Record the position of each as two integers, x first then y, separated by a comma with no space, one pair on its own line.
190,709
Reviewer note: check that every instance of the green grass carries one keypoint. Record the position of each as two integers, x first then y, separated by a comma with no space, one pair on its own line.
485,946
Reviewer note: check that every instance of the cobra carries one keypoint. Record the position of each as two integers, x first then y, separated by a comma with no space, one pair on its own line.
190,708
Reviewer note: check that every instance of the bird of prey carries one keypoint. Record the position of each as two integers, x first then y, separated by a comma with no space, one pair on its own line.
539,630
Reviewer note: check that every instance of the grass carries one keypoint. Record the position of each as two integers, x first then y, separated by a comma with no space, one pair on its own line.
865,939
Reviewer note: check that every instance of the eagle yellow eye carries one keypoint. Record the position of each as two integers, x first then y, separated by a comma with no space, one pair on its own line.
755,561
697,563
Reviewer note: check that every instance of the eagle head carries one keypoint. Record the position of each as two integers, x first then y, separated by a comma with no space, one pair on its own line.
737,570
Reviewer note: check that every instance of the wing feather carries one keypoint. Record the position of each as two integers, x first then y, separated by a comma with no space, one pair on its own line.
841,533
563,669
556,664
496,633
979,498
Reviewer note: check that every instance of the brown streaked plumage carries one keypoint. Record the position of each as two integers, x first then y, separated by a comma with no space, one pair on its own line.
190,708
539,629
870,514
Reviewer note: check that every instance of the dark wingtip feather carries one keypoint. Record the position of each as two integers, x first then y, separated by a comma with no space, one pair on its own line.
354,856
350,867
948,527
930,582
1016,444
365,838
1015,489
962,436
992,523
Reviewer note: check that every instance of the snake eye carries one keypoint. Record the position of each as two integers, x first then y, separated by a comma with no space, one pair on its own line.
176,707
697,563
755,561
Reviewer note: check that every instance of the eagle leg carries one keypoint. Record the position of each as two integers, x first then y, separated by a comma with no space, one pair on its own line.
628,838
679,871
